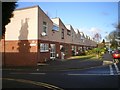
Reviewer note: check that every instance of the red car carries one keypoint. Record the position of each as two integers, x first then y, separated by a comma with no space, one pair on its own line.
116,54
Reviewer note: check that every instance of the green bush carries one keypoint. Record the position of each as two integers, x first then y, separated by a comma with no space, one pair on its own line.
98,51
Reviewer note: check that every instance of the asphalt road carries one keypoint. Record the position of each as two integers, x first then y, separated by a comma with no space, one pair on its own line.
106,76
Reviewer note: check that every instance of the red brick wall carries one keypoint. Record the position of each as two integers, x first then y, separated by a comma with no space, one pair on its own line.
42,56
58,49
20,59
2,50
20,53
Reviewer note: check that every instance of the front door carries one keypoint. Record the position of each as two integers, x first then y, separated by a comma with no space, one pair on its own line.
52,52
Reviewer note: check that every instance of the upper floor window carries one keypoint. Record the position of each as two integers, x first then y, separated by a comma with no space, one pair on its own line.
55,27
68,32
82,38
45,27
62,34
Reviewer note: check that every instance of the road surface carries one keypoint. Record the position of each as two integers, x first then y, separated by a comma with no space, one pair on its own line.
104,76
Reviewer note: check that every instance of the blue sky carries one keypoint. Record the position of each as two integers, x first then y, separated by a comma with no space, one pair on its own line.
88,17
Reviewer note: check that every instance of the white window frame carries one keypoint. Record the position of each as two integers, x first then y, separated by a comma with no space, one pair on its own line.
44,47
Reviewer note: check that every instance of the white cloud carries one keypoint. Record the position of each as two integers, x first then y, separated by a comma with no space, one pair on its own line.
94,30
90,32
85,31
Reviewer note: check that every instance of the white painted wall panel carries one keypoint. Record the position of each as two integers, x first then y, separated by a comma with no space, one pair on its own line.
23,25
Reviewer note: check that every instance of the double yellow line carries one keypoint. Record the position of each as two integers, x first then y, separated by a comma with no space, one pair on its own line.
49,86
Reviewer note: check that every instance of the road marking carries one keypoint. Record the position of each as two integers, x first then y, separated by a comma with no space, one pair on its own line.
13,69
116,67
49,86
90,74
27,73
111,70
38,73
83,68
105,62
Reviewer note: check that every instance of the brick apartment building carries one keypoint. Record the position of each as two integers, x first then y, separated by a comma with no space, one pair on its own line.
32,37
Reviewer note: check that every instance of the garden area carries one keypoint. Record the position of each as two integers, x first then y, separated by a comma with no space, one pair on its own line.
95,53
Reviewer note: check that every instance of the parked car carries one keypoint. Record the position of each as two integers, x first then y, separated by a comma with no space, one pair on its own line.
116,54
110,50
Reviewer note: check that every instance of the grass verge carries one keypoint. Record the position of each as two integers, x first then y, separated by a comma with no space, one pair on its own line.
83,57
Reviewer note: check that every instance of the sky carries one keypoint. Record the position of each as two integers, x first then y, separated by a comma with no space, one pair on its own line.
88,17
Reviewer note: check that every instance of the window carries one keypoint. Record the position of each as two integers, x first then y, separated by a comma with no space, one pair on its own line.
55,27
45,27
68,32
82,38
62,49
66,49
62,34
72,47
80,48
44,47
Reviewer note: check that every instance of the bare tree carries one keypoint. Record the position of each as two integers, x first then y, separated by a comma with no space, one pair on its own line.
114,36
97,37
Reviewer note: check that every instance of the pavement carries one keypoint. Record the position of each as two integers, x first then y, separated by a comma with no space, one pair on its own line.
77,63
70,65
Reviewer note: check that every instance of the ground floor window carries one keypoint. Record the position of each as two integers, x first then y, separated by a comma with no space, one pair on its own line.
44,47
62,49
73,50
80,48
73,47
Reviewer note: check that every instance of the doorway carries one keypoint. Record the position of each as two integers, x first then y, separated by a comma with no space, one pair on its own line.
52,52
